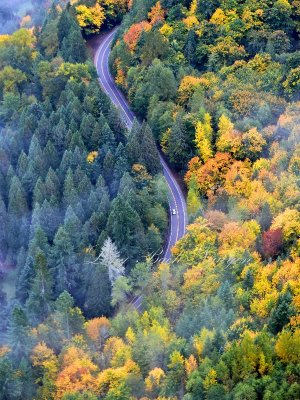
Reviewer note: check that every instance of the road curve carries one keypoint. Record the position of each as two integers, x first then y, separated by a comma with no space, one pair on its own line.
176,198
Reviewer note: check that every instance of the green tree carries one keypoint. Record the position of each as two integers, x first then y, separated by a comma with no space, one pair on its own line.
40,294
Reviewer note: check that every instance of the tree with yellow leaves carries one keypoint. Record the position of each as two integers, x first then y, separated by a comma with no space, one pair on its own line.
288,346
187,87
154,380
46,363
289,222
90,19
203,138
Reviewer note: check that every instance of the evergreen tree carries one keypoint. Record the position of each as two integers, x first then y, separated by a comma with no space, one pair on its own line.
40,294
150,156
63,262
125,227
73,48
64,25
19,333
38,193
3,230
86,128
282,313
73,227
64,305
51,155
190,47
98,289
177,148
70,195
225,295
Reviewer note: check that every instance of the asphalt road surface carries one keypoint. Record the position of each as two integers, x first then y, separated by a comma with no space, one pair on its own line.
176,198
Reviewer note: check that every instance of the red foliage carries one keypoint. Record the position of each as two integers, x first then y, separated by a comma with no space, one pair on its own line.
272,242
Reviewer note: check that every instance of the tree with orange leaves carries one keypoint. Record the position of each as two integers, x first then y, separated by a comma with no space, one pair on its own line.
78,373
97,330
157,14
133,34
211,175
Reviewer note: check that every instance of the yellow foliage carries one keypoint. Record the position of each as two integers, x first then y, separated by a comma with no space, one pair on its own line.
130,336
41,354
116,352
187,87
90,18
210,379
4,39
3,351
154,378
176,359
288,346
164,274
201,278
218,17
191,21
238,179
157,14
26,21
203,138
289,222
236,236
78,373
265,293
112,378
193,7
120,76
287,276
199,341
92,156
166,30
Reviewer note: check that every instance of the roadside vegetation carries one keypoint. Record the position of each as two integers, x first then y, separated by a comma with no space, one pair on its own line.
83,204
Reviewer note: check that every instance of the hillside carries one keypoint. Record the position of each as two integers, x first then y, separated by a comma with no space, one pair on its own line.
84,210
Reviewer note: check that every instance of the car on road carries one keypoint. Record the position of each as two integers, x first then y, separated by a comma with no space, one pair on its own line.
174,211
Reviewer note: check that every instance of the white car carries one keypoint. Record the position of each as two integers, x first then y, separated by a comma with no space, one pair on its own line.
174,211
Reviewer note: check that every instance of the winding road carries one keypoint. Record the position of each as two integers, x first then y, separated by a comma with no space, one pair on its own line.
177,202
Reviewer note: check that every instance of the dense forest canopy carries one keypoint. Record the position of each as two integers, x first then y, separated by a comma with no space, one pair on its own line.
83,204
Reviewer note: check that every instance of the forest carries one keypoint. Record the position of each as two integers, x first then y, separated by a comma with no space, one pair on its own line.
84,210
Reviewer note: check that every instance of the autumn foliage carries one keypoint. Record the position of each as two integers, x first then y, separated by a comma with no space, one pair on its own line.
272,242
133,34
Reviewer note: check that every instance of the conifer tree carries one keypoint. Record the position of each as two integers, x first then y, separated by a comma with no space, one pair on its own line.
40,295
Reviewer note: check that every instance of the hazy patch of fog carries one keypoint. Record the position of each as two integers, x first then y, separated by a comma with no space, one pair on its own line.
11,13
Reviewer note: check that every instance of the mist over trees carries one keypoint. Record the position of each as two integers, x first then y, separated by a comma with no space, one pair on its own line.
17,13
72,178
86,311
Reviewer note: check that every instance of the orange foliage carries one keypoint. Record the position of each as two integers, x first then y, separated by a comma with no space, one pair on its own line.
97,329
190,364
187,87
78,373
212,174
237,179
133,34
236,236
157,14
120,76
